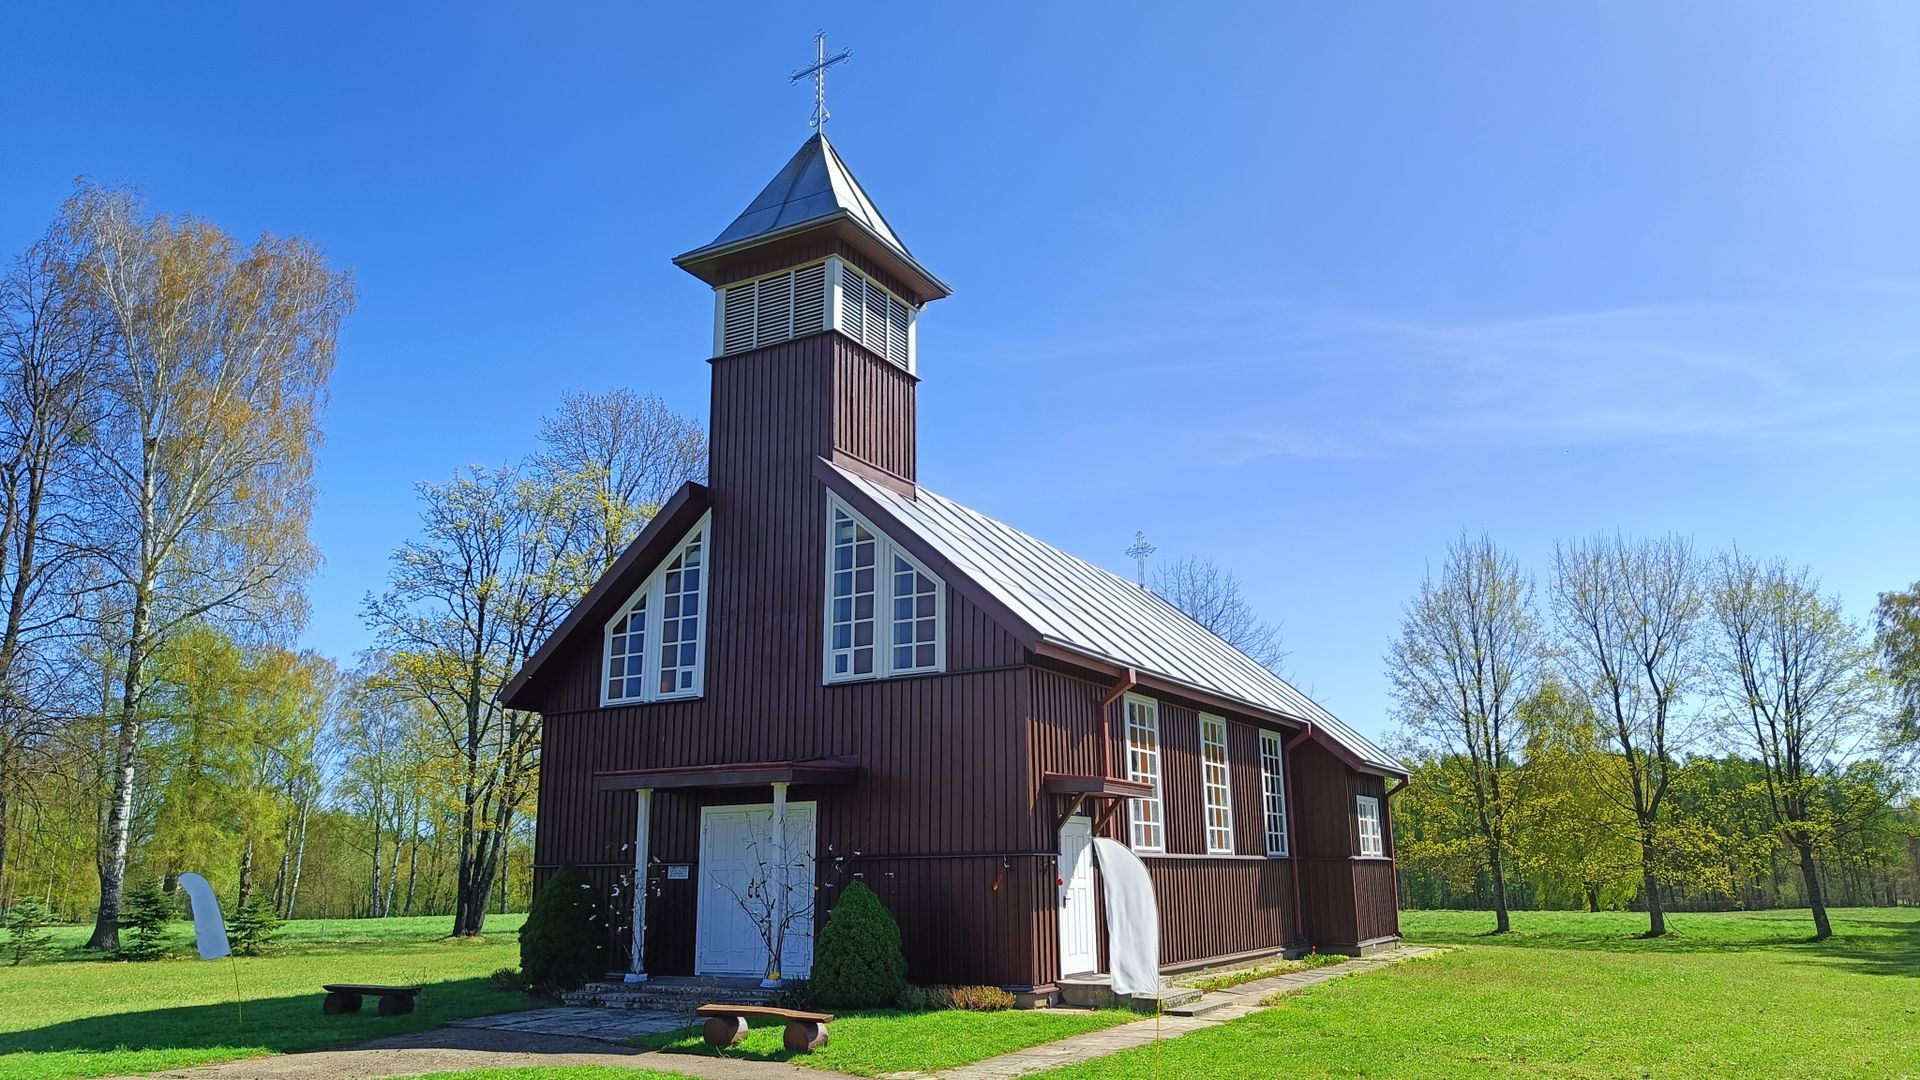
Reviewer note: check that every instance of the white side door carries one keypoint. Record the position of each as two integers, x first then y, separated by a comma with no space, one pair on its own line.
737,868
1079,950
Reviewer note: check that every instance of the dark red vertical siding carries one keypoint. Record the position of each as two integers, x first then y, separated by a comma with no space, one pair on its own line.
940,807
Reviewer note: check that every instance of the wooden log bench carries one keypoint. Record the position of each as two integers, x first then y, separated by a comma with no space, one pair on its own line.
727,1025
345,998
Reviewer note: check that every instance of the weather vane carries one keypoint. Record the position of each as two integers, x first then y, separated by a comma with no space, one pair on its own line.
1140,550
818,72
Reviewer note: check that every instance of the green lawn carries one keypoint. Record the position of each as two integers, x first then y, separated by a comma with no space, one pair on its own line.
1579,995
872,1043
573,1072
80,1016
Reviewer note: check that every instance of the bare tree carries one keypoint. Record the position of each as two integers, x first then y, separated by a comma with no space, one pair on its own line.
632,451
498,564
54,347
1630,614
1468,656
1211,595
205,452
778,897
1797,680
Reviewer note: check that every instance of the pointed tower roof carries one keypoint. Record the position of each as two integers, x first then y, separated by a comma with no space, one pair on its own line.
815,194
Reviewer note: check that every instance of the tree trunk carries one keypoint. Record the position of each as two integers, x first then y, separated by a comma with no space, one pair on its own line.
246,875
1593,899
413,857
113,856
299,856
5,806
373,894
1822,929
1656,911
1502,923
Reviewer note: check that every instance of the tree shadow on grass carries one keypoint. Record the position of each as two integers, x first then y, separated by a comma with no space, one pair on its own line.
270,1025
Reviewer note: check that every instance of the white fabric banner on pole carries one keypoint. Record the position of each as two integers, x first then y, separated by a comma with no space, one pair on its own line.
209,929
1133,919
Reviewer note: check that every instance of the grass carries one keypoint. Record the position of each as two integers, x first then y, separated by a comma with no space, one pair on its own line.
1226,979
562,1072
885,1041
81,1016
1578,995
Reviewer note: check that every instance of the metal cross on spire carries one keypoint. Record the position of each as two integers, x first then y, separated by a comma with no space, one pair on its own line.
818,72
1140,550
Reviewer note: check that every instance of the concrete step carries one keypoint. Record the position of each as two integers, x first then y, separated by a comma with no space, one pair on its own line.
1096,992
1204,1004
664,996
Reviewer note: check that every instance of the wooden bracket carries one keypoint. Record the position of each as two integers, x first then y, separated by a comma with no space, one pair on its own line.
1106,815
1072,809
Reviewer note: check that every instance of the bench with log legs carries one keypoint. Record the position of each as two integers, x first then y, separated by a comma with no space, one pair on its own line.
345,998
727,1025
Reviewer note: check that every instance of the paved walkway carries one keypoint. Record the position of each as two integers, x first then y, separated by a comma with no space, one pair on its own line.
1230,1004
450,1049
586,1036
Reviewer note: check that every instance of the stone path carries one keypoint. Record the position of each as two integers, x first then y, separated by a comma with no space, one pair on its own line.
606,1025
1221,1006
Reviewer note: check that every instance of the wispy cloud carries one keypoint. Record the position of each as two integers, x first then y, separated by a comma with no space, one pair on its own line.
1833,366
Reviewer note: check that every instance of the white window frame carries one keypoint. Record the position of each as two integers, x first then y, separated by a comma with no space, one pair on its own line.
1216,779
884,552
1146,815
1273,792
652,592
1366,811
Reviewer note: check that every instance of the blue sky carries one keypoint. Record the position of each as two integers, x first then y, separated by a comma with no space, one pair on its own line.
1305,289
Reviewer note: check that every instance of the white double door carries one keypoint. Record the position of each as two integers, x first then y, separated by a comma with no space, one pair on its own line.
1079,946
739,877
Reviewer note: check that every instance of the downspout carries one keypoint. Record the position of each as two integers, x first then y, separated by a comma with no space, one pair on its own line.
1293,831
1387,809
1127,682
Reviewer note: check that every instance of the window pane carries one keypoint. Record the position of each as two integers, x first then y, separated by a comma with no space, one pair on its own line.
680,622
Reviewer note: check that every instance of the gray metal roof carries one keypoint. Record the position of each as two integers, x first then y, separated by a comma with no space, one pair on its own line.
815,186
1076,605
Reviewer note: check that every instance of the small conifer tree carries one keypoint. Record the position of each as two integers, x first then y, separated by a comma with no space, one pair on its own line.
27,936
562,942
254,926
149,913
857,962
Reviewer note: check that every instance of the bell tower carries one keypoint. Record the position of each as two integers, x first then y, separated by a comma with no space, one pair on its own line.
815,306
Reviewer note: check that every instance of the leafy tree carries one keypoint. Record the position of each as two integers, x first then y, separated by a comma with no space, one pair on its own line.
563,941
1630,614
149,916
1212,596
1569,837
858,963
1796,678
1897,633
204,452
497,566
27,936
1468,654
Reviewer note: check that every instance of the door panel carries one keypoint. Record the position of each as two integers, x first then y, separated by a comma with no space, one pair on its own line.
737,868
1078,947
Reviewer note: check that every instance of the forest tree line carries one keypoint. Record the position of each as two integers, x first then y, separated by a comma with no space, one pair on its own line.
162,388
1658,728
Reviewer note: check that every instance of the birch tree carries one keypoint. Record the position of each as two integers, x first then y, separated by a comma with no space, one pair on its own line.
205,452
1468,656
1630,614
1796,678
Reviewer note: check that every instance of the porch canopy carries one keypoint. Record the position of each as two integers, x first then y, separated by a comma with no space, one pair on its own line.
1081,790
835,770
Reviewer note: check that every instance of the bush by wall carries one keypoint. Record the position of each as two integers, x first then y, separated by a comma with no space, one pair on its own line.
857,963
562,943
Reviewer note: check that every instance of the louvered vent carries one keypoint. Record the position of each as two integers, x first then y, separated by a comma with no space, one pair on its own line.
874,317
768,310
